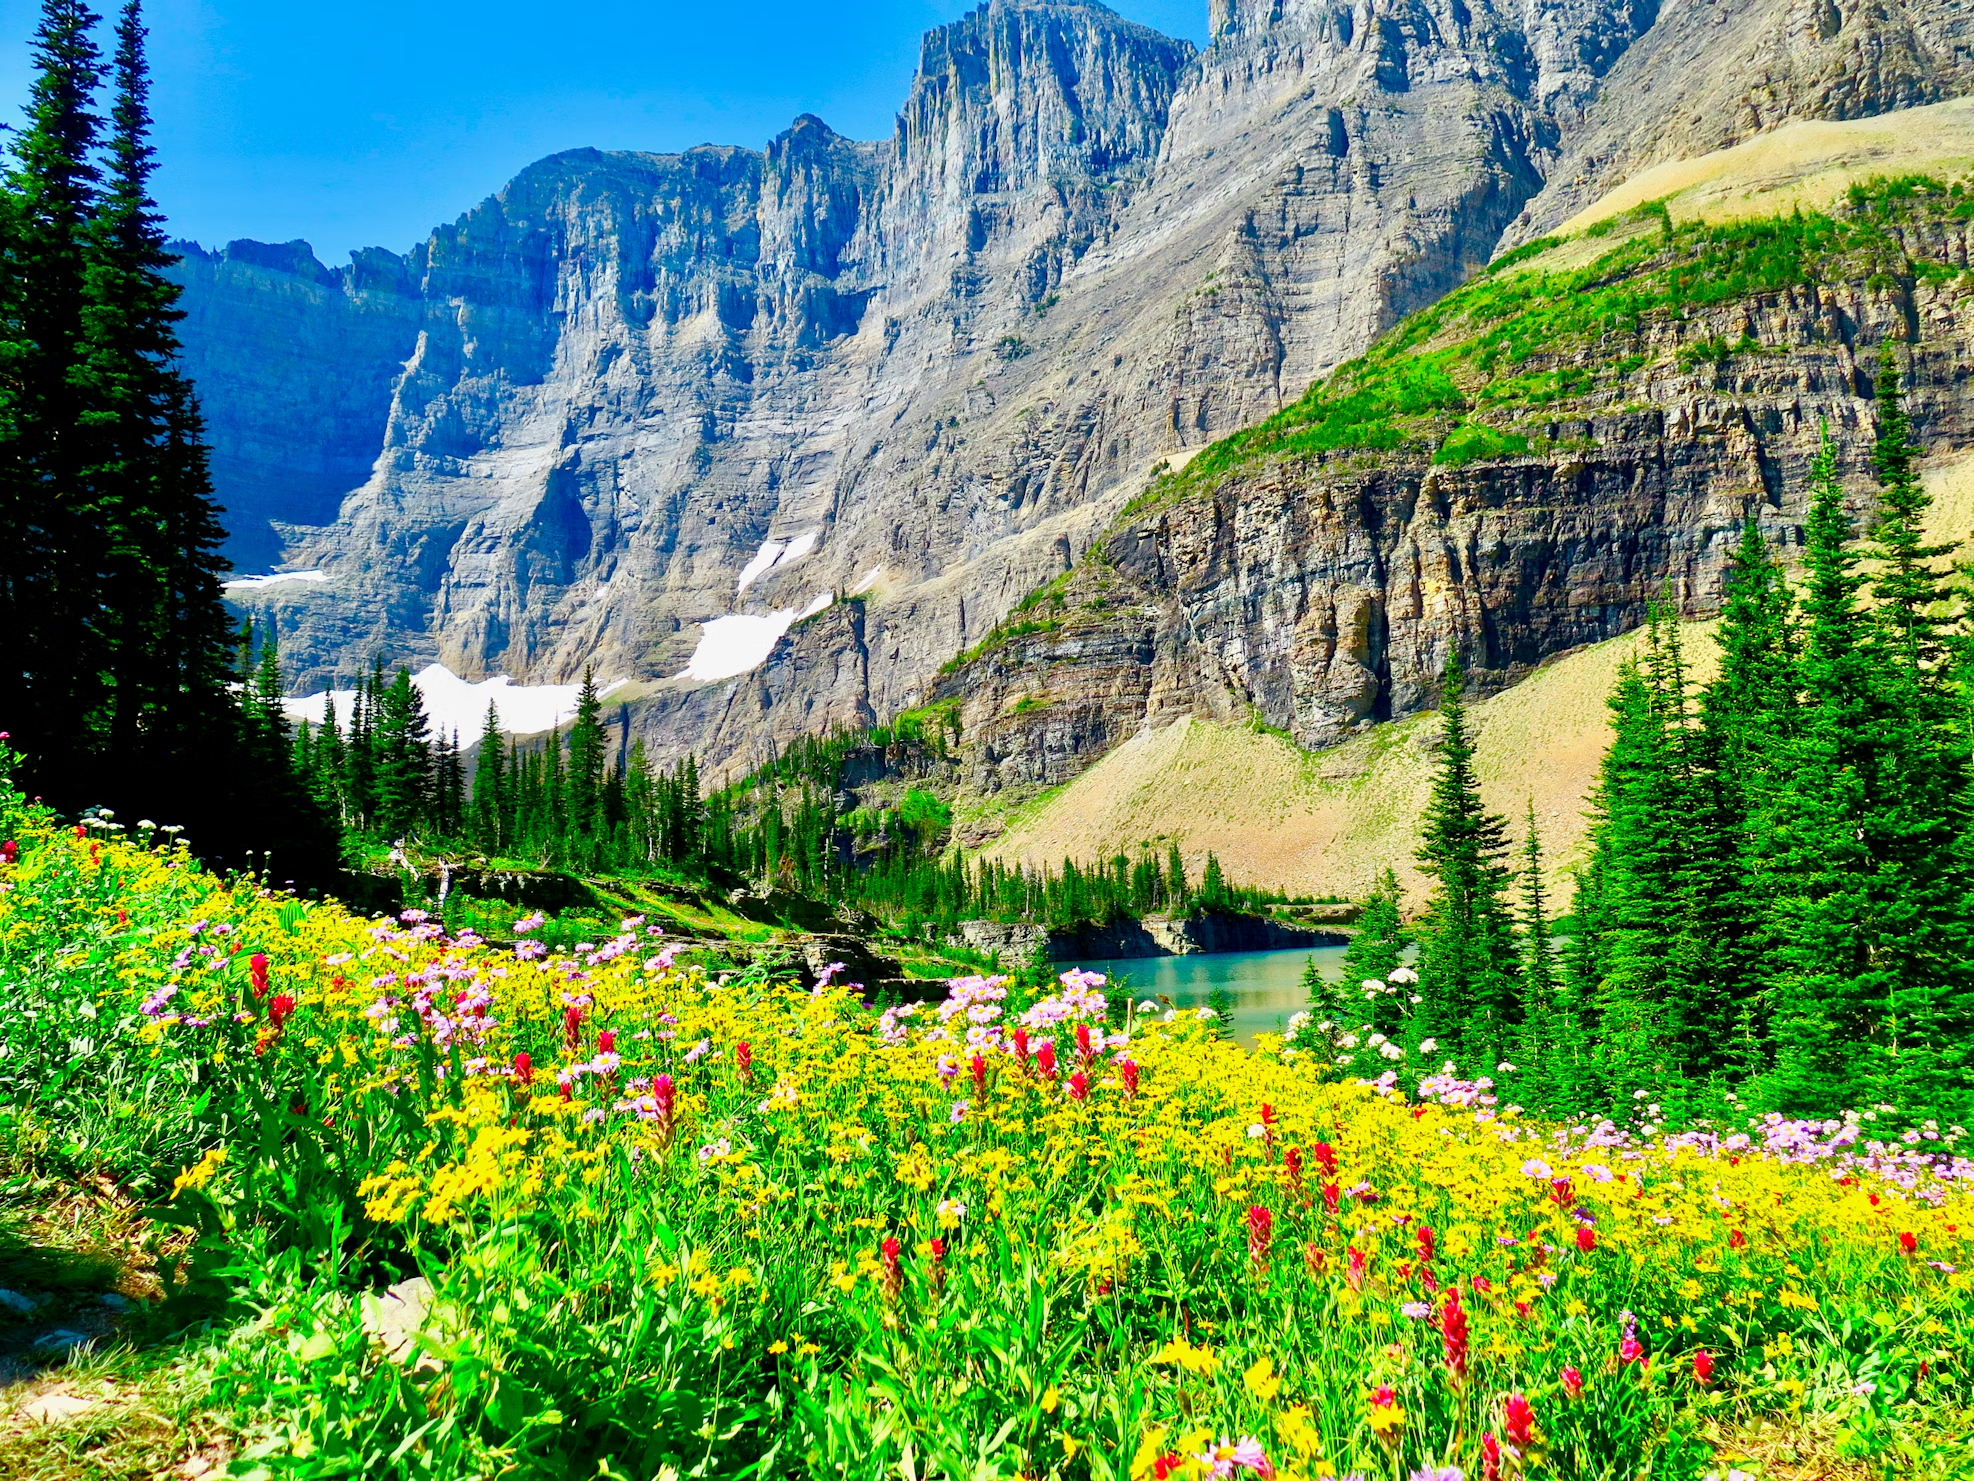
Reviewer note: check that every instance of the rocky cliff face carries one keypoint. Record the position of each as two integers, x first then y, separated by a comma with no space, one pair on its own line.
295,366
656,407
1318,593
931,364
1712,73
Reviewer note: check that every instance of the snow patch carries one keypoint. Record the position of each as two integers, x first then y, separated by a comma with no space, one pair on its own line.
766,556
869,580
737,644
273,577
452,704
774,554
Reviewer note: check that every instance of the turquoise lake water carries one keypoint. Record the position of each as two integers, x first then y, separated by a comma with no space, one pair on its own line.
1255,990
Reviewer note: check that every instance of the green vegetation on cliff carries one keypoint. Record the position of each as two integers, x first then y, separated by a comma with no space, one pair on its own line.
1454,379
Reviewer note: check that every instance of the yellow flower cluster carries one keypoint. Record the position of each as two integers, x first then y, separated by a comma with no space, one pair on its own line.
1152,1165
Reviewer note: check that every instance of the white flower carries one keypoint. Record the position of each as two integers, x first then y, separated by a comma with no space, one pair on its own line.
1504,1068
1404,974
1371,985
1148,1006
1429,1046
1376,1040
1391,1051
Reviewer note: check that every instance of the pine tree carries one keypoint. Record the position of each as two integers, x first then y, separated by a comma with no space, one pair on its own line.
1381,939
1466,952
588,748
404,758
1213,884
51,598
129,346
1910,584
490,802
1824,1018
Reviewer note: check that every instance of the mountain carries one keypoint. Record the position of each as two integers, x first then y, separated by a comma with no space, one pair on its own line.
669,414
943,355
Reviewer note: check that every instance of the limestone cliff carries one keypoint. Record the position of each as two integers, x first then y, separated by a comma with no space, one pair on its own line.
1519,471
657,407
931,365
295,365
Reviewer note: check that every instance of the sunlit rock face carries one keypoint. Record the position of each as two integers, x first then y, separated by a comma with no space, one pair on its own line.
637,395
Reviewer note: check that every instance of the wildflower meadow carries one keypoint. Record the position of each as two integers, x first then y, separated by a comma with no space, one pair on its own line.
655,1223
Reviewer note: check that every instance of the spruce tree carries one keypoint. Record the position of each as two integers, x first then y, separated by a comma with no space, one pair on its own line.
1467,969
1910,582
404,758
1825,1017
490,802
1379,943
588,749
51,605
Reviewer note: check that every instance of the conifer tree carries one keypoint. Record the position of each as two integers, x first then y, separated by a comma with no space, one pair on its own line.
1910,585
404,759
50,598
490,803
1467,965
588,747
1381,939
1824,1016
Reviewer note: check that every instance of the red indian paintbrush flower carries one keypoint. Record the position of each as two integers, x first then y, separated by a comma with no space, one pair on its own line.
1326,1158
1079,1086
1453,1334
1292,1175
979,1068
666,1096
1490,1457
1260,1231
1021,1047
1127,1071
1518,1421
894,1270
1736,1239
1045,1059
1358,1263
257,969
1586,1239
1703,1366
743,1059
1083,1040
1573,1383
1332,1196
280,1009
1425,1239
572,1027
524,1068
606,1042
10,852
1908,1242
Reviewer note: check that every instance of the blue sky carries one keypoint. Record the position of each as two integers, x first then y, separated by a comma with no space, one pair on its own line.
367,122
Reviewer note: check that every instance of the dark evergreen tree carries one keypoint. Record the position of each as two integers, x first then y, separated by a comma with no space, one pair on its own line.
1467,968
490,787
402,744
588,749
55,537
1381,939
